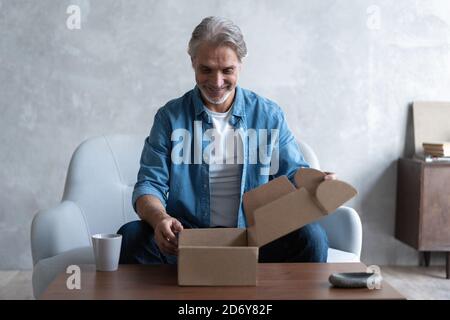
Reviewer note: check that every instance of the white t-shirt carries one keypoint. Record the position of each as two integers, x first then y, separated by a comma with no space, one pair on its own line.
225,170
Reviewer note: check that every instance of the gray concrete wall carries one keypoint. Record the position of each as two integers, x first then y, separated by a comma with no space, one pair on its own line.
345,73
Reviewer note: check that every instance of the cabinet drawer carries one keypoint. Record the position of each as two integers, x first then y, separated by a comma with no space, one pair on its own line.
435,217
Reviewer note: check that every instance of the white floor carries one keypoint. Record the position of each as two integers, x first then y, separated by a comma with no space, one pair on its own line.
423,283
15,285
412,282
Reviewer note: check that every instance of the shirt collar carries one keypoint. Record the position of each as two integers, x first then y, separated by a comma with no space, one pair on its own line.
238,109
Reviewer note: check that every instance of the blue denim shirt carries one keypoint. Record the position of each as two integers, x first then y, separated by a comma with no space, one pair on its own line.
183,188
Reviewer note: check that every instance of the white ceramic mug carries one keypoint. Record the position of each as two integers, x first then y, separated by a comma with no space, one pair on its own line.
107,251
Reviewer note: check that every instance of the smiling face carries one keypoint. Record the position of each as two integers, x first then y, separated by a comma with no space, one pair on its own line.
216,73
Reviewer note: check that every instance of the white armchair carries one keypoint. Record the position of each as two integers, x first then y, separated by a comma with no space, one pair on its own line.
97,199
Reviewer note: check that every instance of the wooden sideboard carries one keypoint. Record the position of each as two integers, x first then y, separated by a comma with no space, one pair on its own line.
423,207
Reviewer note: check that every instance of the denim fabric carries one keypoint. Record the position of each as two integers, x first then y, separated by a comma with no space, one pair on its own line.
183,188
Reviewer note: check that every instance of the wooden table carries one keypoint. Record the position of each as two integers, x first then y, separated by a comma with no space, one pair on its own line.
286,281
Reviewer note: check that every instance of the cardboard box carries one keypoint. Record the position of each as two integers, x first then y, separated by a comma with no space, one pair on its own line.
229,256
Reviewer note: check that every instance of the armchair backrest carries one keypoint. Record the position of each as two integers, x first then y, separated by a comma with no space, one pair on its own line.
100,179
309,155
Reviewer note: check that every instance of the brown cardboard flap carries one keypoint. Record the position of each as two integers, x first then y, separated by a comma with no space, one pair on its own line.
217,266
308,178
213,237
333,193
276,210
283,216
265,194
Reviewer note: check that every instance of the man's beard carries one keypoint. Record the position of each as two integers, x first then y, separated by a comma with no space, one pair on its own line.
216,101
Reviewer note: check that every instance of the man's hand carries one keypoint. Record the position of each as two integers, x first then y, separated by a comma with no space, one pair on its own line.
151,210
330,176
165,235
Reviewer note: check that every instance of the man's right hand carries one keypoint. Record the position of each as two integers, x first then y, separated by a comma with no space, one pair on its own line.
165,235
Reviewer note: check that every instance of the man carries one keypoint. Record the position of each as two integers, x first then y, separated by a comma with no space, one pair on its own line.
176,190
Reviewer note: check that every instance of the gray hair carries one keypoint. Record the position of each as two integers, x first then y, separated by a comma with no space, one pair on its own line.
218,31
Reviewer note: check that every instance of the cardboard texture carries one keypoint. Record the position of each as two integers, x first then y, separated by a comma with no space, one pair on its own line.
431,123
229,256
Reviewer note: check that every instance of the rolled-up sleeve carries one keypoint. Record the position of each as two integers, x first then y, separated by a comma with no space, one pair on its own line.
154,171
290,158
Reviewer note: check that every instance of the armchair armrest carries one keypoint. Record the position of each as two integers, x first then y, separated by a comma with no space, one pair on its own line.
344,230
57,230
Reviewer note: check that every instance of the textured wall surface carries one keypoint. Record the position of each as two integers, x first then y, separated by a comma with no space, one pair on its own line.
345,73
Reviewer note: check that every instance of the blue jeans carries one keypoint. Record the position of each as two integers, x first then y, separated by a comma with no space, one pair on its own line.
307,244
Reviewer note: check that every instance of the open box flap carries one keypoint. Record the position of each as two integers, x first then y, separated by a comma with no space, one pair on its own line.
277,208
265,194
